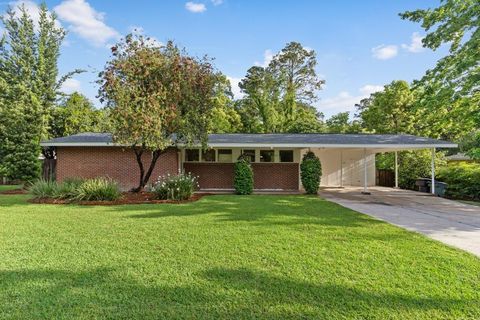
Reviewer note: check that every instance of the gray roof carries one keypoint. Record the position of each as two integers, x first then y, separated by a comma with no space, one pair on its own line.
280,139
458,157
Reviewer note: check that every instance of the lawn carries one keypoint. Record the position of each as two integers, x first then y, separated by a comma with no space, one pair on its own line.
239,257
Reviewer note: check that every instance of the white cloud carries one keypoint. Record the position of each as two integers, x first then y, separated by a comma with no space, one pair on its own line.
195,7
267,57
385,52
368,89
237,93
86,21
70,86
32,8
415,45
345,101
217,2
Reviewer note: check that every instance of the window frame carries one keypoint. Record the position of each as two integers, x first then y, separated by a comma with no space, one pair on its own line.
287,150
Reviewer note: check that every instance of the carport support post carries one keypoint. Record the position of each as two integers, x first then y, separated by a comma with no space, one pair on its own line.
396,169
433,171
365,174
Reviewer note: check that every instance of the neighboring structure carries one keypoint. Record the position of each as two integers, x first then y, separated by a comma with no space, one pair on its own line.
459,157
347,159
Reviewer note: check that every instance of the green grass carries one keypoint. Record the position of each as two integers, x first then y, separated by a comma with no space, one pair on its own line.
6,187
237,257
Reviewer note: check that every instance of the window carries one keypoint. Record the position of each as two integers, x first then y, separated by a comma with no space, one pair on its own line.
266,156
208,155
286,155
192,155
225,155
249,155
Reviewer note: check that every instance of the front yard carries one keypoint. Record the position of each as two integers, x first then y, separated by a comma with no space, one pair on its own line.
225,257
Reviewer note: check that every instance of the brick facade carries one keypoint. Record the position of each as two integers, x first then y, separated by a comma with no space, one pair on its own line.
113,162
266,175
276,176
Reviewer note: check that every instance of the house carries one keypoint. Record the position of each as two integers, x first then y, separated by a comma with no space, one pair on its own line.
459,157
347,159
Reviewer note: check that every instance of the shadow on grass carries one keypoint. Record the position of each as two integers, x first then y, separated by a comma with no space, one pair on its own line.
218,293
259,209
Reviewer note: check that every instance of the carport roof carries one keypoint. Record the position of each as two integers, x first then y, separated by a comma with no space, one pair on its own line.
298,140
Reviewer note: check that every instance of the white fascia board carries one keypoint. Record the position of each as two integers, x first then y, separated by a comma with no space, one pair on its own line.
82,144
329,146
271,145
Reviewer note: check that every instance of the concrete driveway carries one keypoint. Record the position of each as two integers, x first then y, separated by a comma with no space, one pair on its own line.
448,221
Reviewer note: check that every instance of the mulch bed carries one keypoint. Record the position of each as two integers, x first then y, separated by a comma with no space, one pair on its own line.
14,191
127,198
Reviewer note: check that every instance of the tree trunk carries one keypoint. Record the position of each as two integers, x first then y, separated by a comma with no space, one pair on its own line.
145,176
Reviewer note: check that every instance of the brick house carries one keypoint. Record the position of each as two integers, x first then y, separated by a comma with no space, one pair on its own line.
347,159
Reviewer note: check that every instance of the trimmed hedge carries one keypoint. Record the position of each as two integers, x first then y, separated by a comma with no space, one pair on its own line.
243,177
311,172
463,180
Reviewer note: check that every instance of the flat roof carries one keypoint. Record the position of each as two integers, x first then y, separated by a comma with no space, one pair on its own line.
300,140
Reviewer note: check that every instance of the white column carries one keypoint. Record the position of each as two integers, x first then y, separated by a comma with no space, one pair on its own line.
433,171
396,169
365,173
341,168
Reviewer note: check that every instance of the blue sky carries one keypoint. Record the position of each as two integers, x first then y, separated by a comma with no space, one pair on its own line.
360,45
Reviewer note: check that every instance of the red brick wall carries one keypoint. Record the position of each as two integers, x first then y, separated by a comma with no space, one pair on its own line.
276,175
212,175
114,162
266,175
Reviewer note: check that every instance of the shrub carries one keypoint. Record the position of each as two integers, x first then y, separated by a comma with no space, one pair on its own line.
243,176
43,188
179,187
311,172
463,180
68,189
98,189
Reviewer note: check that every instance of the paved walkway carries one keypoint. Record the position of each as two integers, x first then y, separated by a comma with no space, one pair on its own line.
450,222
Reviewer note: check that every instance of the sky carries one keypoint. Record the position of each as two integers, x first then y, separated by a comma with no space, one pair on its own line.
360,45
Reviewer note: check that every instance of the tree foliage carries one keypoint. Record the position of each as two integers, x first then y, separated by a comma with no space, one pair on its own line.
76,114
158,96
224,117
243,176
29,52
278,97
340,123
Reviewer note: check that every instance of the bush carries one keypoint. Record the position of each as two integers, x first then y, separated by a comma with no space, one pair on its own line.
463,180
68,189
311,172
243,177
180,187
43,188
411,165
98,189
74,189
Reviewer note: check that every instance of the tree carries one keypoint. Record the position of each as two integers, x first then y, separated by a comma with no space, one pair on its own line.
340,123
390,110
278,97
470,144
224,117
76,115
311,172
454,23
28,69
158,97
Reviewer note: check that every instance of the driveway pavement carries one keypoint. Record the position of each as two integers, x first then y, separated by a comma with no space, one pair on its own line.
450,222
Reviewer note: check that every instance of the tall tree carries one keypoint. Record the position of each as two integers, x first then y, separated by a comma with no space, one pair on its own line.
278,97
390,110
28,66
224,117
77,114
340,123
158,96
455,23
